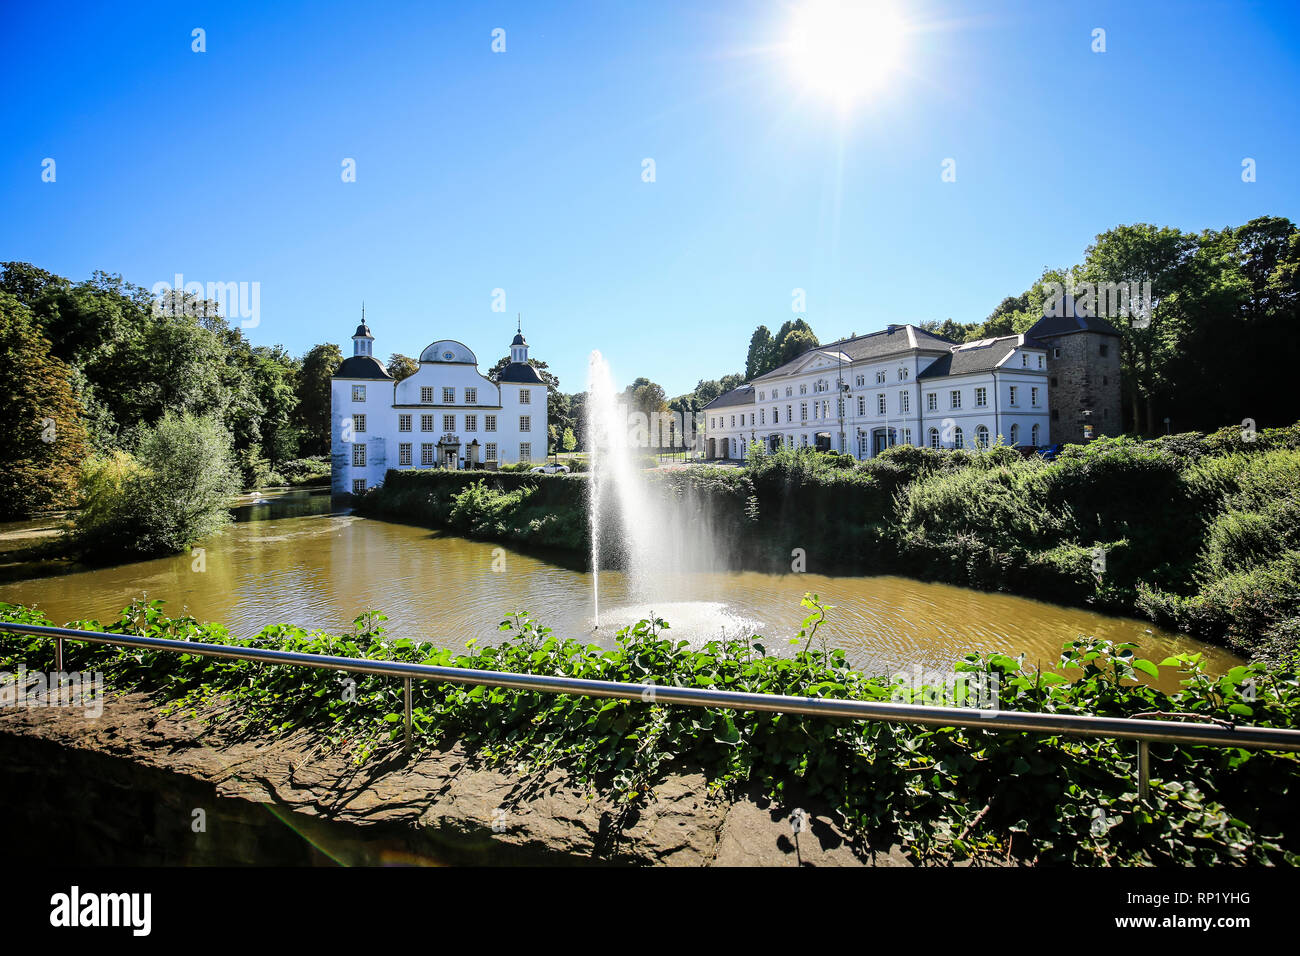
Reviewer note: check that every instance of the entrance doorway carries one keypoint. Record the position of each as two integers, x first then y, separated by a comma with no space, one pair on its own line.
882,438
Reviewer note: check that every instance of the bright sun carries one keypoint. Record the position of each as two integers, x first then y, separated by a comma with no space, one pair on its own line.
845,49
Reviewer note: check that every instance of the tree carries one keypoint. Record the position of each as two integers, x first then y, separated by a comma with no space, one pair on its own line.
315,376
401,366
568,441
1138,254
759,358
172,494
795,344
948,329
40,416
707,390
188,477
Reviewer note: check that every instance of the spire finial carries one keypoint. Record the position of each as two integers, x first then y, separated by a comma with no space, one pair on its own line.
363,311
519,322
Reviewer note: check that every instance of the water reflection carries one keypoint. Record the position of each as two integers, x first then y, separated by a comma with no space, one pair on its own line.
290,559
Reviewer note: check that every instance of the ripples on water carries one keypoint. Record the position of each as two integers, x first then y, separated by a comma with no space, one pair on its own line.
291,561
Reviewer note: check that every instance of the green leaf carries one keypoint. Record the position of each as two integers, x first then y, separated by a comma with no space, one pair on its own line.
1146,667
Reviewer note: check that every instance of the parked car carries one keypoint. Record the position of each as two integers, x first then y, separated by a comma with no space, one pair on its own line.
550,469
1050,452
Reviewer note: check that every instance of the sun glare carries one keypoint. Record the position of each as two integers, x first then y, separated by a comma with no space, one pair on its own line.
846,50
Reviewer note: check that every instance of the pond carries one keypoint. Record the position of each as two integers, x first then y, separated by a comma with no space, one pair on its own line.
289,558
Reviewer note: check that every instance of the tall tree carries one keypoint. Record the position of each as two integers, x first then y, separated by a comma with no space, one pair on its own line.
318,368
1137,254
39,415
759,358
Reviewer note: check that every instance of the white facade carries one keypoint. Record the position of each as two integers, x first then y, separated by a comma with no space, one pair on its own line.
446,415
899,386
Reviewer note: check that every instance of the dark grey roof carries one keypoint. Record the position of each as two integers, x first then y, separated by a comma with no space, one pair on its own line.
744,395
859,348
362,329
982,356
518,339
362,366
1072,320
520,372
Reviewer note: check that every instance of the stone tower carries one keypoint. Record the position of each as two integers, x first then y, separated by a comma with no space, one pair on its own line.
1083,390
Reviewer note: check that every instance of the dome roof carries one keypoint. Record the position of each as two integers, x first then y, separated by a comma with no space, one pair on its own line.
362,366
521,373
448,350
519,339
363,330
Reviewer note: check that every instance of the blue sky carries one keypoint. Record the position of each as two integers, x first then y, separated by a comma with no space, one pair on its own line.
522,170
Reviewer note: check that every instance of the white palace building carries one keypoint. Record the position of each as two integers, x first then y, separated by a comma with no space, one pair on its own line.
901,385
446,415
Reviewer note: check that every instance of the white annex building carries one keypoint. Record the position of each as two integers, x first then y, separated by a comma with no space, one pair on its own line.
901,385
446,415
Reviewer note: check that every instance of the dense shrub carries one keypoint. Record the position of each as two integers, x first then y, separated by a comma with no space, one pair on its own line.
172,493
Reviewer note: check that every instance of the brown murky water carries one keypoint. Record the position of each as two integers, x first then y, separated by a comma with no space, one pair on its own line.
289,560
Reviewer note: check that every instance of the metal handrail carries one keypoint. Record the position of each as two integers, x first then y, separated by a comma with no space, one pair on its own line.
1078,725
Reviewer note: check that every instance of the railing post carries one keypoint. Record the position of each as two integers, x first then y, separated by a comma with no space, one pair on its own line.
1144,769
58,657
406,681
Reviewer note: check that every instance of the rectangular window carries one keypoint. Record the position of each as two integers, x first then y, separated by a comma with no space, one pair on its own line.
880,378
403,423
954,399
803,411
426,423
1056,353
880,404
358,393
982,396
733,421
932,401
448,396
426,395
1040,361
762,416
471,396
525,423
449,423
776,417
789,413
904,405
491,453
404,453
489,423
358,455
861,380
426,453
1024,361
525,396
358,486
862,405
358,423
907,436
1033,396
1015,395
525,451
471,423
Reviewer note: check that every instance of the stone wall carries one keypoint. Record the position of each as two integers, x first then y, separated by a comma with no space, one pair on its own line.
125,788
1082,379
